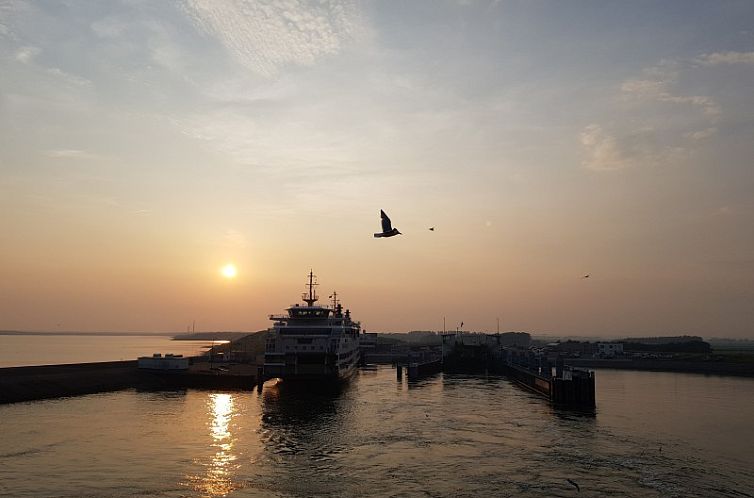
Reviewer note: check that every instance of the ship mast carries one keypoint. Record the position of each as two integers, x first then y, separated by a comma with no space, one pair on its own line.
311,298
334,298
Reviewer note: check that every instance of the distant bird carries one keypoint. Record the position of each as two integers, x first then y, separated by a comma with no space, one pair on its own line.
574,485
586,276
387,227
431,229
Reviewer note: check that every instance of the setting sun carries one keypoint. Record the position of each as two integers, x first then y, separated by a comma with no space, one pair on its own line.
229,271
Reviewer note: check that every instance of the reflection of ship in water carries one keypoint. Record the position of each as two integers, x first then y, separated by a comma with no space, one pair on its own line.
307,431
312,342
294,403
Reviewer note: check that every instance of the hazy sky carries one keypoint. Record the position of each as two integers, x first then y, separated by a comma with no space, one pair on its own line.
144,145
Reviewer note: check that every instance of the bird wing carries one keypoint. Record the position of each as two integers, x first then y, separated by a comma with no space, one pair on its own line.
386,225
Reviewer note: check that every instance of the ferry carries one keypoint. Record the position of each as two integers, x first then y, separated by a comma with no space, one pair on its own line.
312,342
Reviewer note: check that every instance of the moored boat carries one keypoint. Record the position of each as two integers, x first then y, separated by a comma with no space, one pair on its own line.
312,342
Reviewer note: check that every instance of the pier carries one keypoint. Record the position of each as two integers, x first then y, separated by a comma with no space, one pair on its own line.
568,386
476,353
419,364
18,384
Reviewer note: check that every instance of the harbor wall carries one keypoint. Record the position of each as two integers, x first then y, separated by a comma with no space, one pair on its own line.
740,369
55,381
18,384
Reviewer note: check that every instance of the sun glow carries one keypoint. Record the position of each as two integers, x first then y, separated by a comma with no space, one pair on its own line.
229,271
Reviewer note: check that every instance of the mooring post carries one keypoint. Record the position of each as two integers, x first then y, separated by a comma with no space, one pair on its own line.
559,363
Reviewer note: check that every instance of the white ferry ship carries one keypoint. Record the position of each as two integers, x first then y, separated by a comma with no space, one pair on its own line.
312,342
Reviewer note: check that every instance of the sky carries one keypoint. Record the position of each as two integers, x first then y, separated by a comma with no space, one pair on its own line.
145,145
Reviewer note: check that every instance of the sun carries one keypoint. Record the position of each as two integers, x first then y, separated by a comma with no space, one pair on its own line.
229,271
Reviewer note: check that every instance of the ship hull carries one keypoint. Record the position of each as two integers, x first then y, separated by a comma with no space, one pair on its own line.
302,369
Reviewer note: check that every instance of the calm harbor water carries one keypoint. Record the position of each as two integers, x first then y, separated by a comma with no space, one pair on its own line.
22,350
654,434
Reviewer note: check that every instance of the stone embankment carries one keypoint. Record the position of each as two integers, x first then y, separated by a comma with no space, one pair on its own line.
54,381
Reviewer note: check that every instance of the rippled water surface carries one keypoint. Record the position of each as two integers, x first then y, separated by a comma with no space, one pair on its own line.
654,434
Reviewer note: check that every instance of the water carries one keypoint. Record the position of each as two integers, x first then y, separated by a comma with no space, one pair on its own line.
22,350
654,434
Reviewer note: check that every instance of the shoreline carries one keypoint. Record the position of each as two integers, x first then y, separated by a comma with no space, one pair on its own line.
725,368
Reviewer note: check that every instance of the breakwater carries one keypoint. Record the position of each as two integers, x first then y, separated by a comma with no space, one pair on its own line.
55,381
19,384
738,369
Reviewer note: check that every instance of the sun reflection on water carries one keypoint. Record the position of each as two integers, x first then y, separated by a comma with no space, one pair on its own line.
218,479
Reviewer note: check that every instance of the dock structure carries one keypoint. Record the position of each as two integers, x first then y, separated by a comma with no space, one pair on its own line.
419,364
32,383
567,386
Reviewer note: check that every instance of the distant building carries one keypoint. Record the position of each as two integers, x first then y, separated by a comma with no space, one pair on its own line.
368,342
167,362
664,340
573,348
609,349
494,343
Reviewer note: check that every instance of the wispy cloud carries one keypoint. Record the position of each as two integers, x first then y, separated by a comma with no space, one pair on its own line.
660,90
603,150
701,134
234,238
26,54
612,149
267,35
71,154
651,133
717,58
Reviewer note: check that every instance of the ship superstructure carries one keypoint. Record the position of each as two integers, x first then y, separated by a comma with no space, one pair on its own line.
312,342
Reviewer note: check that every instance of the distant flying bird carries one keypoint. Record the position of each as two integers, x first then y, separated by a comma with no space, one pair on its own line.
574,485
431,229
387,227
586,276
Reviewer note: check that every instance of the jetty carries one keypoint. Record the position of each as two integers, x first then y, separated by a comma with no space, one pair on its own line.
419,364
18,384
477,353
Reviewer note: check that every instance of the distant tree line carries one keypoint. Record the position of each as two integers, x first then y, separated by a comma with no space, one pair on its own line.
669,347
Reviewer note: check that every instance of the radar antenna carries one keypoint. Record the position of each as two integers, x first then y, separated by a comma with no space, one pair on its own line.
311,296
334,297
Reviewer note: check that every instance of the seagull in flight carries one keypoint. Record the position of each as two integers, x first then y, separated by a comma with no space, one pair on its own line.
431,229
586,276
574,484
387,227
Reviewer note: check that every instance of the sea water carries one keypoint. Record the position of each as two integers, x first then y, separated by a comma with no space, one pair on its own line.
652,434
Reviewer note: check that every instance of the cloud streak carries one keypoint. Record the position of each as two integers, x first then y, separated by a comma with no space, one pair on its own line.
266,36
610,151
718,58
71,154
659,90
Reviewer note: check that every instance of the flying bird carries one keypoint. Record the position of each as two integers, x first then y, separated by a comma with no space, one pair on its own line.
574,485
431,229
586,276
387,227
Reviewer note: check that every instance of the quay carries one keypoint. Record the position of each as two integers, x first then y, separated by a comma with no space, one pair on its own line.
476,353
561,384
568,386
18,384
419,364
